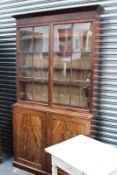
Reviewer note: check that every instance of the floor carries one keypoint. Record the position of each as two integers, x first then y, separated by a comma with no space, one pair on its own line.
6,167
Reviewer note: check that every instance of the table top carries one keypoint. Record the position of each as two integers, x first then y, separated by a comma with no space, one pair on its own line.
87,155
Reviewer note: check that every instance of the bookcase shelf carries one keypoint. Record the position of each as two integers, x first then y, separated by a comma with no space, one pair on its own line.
34,36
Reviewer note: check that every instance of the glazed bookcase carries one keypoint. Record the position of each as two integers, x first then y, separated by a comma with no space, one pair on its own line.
57,54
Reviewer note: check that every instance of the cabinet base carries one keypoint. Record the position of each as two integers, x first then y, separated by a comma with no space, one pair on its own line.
28,168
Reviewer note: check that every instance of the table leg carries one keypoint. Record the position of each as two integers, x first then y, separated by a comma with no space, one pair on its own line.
54,170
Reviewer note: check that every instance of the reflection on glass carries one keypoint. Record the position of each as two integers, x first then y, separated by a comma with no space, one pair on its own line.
81,63
26,33
61,67
79,97
25,65
76,67
26,40
73,94
41,39
81,57
81,68
72,64
25,91
33,63
62,51
40,92
82,37
62,39
40,65
61,94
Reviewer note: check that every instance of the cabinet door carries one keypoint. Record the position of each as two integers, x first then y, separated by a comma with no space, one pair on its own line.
33,63
63,127
72,59
29,137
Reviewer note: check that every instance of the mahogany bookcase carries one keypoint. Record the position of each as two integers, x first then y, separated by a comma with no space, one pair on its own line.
57,53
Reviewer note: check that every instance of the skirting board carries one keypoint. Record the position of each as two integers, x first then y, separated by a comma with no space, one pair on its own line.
29,169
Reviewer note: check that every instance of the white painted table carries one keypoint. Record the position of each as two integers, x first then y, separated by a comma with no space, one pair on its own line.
82,155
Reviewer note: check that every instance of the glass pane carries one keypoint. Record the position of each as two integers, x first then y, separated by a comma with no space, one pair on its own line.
62,51
82,37
86,94
40,39
61,94
72,64
76,67
62,63
75,96
40,91
81,56
40,64
81,67
61,67
25,65
26,39
81,63
25,90
79,96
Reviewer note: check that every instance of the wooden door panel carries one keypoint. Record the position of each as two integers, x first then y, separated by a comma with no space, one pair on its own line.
62,127
63,130
30,141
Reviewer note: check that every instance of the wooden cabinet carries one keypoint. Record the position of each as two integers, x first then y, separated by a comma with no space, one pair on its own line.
30,137
57,53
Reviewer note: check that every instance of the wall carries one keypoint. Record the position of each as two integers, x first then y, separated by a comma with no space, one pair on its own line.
105,123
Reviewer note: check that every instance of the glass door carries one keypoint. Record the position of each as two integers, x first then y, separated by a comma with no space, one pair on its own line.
25,63
33,63
62,63
72,64
40,63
